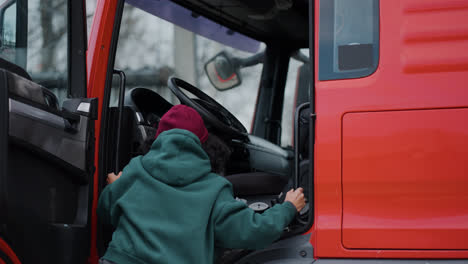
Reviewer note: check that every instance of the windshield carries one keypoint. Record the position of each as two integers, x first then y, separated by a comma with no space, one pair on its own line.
151,49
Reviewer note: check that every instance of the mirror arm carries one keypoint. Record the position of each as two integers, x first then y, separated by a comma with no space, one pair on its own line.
250,61
298,55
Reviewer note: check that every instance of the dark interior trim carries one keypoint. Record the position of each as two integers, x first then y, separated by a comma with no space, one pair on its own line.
4,126
21,32
269,108
77,175
259,126
229,20
37,105
224,19
273,132
77,46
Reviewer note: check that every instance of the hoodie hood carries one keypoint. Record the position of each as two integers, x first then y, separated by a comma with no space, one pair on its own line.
177,158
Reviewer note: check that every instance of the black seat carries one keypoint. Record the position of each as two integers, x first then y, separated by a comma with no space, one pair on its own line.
147,102
256,183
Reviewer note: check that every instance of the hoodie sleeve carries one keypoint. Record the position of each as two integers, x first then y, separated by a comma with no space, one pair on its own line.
238,226
108,211
104,205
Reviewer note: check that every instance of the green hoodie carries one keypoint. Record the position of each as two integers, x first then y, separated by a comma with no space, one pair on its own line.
167,207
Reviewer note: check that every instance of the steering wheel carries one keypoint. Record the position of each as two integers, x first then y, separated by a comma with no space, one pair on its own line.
211,111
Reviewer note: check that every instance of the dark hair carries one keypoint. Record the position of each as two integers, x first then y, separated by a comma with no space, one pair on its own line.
218,152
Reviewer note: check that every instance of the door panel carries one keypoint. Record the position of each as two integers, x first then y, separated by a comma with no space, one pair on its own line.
47,180
46,138
55,137
3,155
404,176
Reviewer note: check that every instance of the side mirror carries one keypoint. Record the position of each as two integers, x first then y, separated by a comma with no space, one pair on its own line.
223,72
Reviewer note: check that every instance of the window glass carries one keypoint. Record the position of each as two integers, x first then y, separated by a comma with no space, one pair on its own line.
8,30
36,40
296,93
348,39
9,26
90,9
151,49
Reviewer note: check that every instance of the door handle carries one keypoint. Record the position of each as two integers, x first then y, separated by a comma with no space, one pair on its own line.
71,121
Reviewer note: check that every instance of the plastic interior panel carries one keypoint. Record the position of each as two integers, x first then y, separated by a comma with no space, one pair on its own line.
3,148
38,194
268,157
47,192
256,183
25,88
128,137
45,204
46,131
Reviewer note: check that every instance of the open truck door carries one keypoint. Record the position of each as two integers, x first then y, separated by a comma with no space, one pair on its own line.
46,133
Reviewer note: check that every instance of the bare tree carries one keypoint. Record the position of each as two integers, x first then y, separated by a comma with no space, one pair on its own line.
52,32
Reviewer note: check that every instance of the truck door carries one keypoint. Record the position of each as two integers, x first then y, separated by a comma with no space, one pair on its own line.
391,129
46,132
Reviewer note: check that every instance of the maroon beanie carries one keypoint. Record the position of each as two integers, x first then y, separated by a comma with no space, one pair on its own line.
183,117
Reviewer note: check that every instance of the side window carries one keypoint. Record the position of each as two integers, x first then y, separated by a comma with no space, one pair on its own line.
34,36
348,38
8,37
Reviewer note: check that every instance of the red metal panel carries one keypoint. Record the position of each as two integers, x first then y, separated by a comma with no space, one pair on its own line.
410,75
97,60
8,252
405,179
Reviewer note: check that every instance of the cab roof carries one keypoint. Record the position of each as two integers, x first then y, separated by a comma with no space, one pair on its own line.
284,21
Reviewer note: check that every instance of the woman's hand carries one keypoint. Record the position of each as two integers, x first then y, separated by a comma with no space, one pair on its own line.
296,197
111,177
